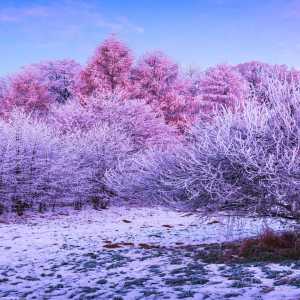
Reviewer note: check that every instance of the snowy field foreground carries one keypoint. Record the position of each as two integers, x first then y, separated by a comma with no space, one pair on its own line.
135,253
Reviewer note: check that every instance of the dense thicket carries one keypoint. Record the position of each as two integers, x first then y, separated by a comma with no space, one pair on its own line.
223,139
245,162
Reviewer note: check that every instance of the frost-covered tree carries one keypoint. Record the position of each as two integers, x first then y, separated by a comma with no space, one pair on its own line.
222,86
38,86
3,89
29,152
60,77
40,168
253,71
3,96
90,155
157,81
108,70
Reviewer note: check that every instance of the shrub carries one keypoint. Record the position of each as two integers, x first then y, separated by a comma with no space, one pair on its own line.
245,162
149,178
40,168
71,117
90,155
259,74
135,119
269,246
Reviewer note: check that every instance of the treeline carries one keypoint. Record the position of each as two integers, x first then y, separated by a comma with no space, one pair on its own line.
145,131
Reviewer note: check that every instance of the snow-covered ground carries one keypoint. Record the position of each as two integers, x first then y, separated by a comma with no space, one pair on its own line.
132,253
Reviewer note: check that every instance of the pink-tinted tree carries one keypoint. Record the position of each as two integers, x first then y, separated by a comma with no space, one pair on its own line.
38,86
25,91
222,86
157,80
108,70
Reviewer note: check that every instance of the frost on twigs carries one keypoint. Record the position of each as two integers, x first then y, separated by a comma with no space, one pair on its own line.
245,161
29,150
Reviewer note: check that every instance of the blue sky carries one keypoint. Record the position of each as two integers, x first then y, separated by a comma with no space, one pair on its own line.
193,32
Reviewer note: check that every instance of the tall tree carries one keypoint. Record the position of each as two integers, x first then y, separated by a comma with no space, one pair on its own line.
108,70
222,86
157,80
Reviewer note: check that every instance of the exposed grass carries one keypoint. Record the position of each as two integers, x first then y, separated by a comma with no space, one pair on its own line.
268,246
272,246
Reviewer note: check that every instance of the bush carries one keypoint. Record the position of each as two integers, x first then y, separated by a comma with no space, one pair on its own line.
135,119
41,168
268,246
246,162
150,178
258,76
90,155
